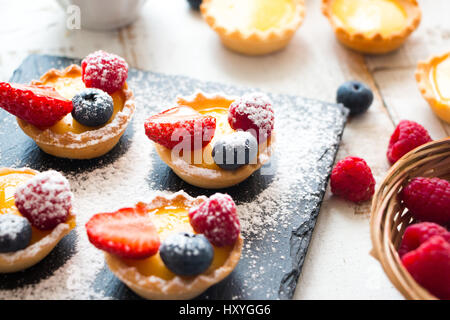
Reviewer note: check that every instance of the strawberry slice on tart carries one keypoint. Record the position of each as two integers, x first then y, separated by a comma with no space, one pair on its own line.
41,106
127,233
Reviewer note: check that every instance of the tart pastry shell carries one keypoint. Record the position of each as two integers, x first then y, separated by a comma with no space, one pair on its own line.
86,145
178,288
213,178
31,255
440,108
375,43
255,42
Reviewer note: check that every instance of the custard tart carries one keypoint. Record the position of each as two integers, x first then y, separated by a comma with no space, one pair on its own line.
372,26
254,27
164,249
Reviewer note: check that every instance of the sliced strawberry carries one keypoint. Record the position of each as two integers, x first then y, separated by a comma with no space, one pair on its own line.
40,106
181,125
128,233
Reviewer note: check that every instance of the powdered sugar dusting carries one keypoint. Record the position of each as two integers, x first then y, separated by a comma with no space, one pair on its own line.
277,206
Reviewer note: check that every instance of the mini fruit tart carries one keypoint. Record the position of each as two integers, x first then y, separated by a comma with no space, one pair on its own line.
78,112
214,141
35,214
174,247
372,26
433,79
254,27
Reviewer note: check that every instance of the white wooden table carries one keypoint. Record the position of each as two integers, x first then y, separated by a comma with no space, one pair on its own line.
170,38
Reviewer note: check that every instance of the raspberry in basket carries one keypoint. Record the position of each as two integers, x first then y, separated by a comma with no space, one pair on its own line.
352,179
429,265
428,199
407,136
418,233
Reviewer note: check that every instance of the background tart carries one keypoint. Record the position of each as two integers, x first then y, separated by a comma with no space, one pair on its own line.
207,174
433,79
70,139
42,242
254,27
372,26
149,278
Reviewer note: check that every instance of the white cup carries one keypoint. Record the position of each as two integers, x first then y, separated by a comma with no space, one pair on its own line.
105,14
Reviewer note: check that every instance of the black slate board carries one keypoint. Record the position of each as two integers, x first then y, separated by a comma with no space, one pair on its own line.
278,253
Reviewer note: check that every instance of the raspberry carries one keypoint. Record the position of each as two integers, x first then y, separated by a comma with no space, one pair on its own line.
173,126
407,136
352,179
254,113
216,218
418,233
45,200
429,265
105,71
428,199
40,106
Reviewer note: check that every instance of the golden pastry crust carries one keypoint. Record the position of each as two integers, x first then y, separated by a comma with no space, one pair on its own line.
375,43
178,288
31,255
441,108
256,42
86,145
211,178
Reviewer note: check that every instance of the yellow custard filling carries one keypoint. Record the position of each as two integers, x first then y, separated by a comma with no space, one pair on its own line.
371,16
253,15
168,220
68,86
9,181
440,78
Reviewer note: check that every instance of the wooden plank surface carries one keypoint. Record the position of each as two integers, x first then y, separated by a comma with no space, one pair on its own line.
170,38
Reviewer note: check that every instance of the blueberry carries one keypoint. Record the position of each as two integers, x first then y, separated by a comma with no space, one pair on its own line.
195,4
356,96
235,150
15,233
92,107
186,254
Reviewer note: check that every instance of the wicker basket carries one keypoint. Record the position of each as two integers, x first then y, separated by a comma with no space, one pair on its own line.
389,218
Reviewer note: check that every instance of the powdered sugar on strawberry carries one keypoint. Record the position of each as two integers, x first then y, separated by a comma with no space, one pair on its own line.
254,113
45,200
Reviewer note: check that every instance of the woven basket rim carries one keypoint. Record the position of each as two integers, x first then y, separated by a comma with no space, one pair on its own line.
387,214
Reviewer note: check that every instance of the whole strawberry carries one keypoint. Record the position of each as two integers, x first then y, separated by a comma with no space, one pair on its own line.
429,265
105,71
38,105
407,136
45,200
216,218
428,199
418,233
352,179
